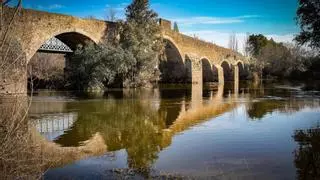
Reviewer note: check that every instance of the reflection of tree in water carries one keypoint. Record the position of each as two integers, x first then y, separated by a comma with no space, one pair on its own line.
307,155
258,110
131,124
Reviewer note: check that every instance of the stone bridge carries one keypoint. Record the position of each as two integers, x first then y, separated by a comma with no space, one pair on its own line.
187,59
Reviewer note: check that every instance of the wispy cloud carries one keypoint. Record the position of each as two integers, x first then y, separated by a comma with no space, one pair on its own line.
55,6
214,20
50,7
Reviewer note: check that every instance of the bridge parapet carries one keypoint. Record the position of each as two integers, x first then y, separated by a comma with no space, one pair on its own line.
187,45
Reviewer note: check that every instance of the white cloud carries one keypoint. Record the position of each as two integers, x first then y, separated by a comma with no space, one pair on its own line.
55,6
222,38
50,7
213,20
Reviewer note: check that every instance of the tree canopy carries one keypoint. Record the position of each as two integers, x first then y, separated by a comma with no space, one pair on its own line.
308,17
130,60
256,43
93,67
275,59
141,36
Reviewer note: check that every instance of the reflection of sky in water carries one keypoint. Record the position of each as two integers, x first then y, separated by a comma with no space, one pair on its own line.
230,145
232,142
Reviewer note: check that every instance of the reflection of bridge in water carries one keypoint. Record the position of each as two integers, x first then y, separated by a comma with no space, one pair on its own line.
121,123
144,122
53,125
200,112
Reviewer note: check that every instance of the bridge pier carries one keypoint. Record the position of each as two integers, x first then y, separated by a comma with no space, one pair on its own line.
196,70
236,73
236,79
220,74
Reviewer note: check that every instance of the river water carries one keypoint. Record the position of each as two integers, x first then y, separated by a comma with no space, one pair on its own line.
246,131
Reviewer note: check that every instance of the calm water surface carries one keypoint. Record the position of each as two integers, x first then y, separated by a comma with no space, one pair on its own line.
265,131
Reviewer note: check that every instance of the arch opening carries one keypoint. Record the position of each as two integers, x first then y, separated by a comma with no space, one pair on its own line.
244,73
73,39
172,66
48,66
227,71
207,71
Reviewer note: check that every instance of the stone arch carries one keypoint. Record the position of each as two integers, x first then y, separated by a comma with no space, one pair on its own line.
207,73
70,37
172,64
55,64
242,70
227,70
225,61
171,40
239,62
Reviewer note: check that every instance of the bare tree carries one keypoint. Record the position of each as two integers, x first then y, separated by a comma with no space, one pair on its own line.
111,14
233,42
20,158
246,45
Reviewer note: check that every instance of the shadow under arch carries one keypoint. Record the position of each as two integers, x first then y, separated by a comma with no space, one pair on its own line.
227,71
188,68
243,74
172,66
207,71
215,73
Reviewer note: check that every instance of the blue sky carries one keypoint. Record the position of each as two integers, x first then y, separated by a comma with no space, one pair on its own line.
212,20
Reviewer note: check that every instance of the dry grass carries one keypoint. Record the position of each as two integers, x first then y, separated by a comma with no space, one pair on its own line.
18,158
17,154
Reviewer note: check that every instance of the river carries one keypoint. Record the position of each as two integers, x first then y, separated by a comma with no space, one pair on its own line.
247,131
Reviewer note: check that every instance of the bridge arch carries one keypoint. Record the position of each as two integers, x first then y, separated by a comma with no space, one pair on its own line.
48,66
242,70
239,63
172,64
225,61
207,70
172,41
227,70
71,37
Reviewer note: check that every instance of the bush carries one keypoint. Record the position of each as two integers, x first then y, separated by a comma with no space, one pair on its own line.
93,67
